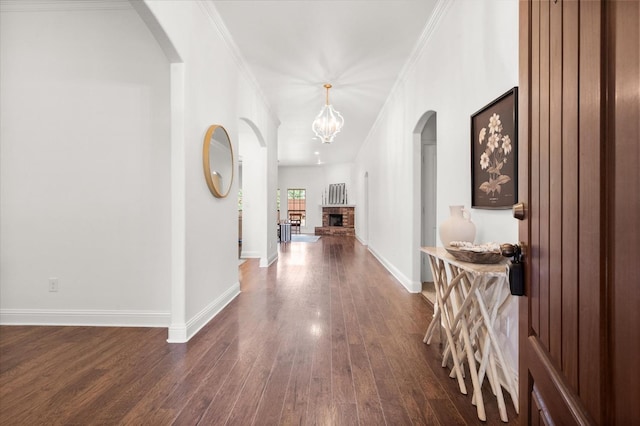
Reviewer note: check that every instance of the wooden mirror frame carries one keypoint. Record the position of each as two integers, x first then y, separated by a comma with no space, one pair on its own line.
214,186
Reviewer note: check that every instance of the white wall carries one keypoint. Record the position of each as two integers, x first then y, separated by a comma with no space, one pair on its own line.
85,194
272,188
217,90
341,173
315,180
102,179
469,59
254,193
465,64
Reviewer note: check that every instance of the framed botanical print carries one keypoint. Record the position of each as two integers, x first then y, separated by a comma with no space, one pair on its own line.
494,153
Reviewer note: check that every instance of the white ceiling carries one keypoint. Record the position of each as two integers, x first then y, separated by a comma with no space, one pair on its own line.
294,47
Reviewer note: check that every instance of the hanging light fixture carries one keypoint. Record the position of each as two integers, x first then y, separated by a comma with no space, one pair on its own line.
328,123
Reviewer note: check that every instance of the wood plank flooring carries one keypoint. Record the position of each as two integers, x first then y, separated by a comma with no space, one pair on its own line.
324,336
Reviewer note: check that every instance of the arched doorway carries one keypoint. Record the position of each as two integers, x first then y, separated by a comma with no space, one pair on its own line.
425,137
253,171
365,231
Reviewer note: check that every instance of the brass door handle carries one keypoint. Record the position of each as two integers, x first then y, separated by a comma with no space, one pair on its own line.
518,211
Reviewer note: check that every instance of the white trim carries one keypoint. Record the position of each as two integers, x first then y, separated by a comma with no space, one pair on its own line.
178,201
62,5
250,254
84,317
265,263
157,30
411,286
183,334
232,47
361,241
177,334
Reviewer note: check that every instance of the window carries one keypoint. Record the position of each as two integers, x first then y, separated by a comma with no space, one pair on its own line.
297,204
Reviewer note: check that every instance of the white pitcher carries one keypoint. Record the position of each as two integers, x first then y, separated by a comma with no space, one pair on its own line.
458,227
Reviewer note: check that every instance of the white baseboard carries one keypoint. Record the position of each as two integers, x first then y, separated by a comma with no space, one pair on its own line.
177,334
411,286
363,242
182,334
249,254
84,317
265,263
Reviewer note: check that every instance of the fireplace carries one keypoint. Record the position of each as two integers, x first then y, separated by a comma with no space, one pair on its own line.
335,220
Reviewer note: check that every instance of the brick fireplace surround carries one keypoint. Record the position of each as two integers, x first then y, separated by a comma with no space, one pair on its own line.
348,221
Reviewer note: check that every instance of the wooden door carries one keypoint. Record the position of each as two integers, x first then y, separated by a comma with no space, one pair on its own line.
578,141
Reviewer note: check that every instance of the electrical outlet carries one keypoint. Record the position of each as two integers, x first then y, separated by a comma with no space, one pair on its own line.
53,284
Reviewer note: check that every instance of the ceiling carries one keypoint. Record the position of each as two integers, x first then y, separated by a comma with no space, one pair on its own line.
294,47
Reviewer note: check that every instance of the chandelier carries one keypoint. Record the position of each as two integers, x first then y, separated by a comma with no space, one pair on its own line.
328,123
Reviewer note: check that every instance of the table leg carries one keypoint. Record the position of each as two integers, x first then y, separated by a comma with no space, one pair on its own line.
497,349
445,317
471,360
439,284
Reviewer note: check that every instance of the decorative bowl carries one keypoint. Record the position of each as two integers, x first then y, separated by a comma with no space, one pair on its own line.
475,256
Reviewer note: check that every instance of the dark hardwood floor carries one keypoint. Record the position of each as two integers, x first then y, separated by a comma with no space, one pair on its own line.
324,336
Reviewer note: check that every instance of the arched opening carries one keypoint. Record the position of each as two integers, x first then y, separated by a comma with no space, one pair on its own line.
425,214
252,172
178,332
365,231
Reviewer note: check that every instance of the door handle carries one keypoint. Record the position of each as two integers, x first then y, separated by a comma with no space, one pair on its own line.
519,211
516,267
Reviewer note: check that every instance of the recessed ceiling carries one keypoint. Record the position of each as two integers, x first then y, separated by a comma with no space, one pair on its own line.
294,47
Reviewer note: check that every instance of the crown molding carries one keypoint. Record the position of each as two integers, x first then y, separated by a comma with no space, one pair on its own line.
439,10
232,47
62,5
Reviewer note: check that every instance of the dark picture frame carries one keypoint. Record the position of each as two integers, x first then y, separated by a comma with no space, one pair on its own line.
494,153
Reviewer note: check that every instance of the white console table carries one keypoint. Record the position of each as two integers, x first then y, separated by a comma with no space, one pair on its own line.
469,298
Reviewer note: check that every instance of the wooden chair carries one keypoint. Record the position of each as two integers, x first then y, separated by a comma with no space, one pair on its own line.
296,220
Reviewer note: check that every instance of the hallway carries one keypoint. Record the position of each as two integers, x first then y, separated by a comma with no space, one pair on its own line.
324,336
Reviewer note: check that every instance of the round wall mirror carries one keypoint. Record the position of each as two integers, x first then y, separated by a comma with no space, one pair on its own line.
217,157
